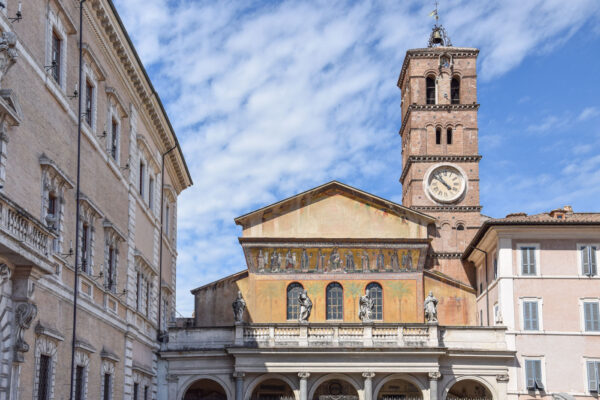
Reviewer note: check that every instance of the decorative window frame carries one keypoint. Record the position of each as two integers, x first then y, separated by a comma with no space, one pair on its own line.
580,261
497,314
54,180
89,214
151,170
542,360
143,377
46,346
82,359
170,208
93,73
107,367
148,275
58,22
582,301
540,303
585,374
112,238
116,111
538,261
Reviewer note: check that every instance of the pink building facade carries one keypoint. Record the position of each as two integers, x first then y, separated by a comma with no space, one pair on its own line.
538,276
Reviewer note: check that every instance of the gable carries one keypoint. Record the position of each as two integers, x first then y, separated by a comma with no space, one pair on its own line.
335,210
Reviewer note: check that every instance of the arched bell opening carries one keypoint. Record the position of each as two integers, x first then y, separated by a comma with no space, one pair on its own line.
335,389
399,389
205,389
469,389
273,389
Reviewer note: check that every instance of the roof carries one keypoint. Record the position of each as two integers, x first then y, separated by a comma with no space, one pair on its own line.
232,277
379,201
559,217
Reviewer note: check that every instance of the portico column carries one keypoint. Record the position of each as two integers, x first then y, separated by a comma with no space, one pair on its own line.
434,377
303,385
368,385
239,385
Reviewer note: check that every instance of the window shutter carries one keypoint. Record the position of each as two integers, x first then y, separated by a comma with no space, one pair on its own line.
534,316
530,374
538,374
594,323
532,261
592,373
526,316
524,261
593,263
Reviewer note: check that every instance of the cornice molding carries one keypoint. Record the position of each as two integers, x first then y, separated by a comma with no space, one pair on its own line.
448,208
435,107
435,158
446,255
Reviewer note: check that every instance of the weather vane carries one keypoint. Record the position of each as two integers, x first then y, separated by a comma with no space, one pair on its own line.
438,36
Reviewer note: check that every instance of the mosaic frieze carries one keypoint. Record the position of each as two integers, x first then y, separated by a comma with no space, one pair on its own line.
332,260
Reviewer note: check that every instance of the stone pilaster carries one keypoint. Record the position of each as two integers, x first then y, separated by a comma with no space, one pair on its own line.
434,377
303,385
239,385
368,386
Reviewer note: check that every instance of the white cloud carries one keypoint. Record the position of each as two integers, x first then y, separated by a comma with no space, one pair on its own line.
272,98
588,113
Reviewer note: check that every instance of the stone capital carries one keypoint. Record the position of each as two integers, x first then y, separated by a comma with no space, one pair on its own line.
239,375
303,375
368,375
502,378
434,376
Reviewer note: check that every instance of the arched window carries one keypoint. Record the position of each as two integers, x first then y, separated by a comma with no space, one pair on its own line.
449,136
460,227
438,136
455,90
430,89
293,307
335,301
376,294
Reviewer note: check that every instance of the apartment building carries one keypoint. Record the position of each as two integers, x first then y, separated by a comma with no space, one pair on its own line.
126,290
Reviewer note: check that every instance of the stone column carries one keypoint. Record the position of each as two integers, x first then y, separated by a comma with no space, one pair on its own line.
502,380
303,385
368,385
434,377
239,385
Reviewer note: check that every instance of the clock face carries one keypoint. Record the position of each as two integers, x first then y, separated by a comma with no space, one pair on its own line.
446,184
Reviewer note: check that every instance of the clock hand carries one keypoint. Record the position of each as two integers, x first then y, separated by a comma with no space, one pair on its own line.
437,176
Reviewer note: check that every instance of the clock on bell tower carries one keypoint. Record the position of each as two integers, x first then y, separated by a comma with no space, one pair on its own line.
440,160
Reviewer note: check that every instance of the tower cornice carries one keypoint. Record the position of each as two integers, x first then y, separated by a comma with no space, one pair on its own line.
436,158
435,107
433,52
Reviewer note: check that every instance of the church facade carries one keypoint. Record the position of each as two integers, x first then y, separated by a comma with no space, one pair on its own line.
350,296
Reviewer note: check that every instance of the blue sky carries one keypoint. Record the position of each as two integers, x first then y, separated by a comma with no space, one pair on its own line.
272,98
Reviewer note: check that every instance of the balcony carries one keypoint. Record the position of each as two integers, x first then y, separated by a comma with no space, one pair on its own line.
332,335
24,239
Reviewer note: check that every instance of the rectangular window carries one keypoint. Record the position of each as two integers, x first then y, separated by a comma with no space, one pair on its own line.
139,290
591,316
151,193
79,371
147,298
136,389
114,139
142,171
530,316
146,392
533,374
528,266
89,96
496,314
56,52
588,260
449,136
438,136
593,376
85,239
106,386
111,269
44,378
495,267
167,215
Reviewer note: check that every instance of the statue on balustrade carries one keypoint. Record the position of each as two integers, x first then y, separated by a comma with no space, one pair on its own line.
365,309
305,307
431,309
239,306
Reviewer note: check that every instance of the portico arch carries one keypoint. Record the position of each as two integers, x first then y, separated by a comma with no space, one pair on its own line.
469,387
333,377
265,379
205,387
418,385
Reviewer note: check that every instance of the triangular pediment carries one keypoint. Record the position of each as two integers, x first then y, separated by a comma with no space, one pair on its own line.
335,210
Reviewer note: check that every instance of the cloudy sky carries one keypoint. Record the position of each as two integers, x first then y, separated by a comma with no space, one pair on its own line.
272,98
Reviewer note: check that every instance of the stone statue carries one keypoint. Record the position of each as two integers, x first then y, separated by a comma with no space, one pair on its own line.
431,309
305,307
239,306
365,308
394,260
25,313
8,53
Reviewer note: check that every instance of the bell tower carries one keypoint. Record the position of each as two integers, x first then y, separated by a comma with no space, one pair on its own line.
440,160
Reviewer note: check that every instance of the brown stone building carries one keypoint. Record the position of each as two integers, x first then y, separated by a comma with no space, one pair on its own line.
125,133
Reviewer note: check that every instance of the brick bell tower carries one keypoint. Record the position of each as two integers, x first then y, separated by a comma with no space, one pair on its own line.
440,160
